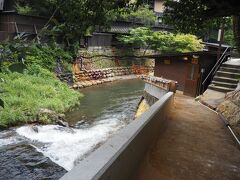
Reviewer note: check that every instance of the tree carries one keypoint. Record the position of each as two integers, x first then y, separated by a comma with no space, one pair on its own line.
163,42
191,15
142,13
70,20
184,15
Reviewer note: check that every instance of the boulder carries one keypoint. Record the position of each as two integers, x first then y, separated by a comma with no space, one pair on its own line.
35,128
230,108
63,123
49,116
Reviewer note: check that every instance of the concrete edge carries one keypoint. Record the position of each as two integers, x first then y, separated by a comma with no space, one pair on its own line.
98,163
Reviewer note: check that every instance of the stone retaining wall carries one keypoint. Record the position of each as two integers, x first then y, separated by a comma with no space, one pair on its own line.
98,76
66,77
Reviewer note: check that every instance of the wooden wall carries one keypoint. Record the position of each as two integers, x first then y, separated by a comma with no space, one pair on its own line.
174,71
178,69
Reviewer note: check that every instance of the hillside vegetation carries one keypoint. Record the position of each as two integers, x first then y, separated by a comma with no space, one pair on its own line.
29,86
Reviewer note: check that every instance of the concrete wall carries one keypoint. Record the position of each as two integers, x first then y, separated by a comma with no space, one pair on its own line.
155,91
119,157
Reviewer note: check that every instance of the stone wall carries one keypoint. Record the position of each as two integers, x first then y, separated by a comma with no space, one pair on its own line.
99,57
230,109
164,84
66,77
98,76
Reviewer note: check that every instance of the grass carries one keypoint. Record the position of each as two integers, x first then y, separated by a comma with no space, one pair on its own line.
25,94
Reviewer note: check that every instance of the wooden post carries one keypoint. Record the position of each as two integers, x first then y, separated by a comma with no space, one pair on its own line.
16,28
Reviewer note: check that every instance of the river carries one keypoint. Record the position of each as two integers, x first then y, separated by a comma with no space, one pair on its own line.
52,150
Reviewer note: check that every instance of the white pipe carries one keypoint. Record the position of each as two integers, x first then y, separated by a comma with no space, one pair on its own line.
226,124
234,135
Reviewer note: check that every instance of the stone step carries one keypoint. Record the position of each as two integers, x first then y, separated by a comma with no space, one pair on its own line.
231,66
228,74
224,84
225,79
220,89
232,70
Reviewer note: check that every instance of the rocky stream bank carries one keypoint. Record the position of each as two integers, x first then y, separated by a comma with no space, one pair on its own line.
230,109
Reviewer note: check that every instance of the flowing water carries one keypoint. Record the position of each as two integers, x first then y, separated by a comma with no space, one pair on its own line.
50,151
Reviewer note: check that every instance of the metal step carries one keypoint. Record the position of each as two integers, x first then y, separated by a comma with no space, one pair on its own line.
228,74
225,79
224,84
232,70
220,89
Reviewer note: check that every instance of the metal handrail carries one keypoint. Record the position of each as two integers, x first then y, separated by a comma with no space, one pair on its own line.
219,62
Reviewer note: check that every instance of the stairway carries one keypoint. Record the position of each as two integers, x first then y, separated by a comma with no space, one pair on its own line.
227,77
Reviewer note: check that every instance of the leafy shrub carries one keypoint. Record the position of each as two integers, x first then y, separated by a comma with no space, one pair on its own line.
25,94
32,53
142,13
25,9
163,42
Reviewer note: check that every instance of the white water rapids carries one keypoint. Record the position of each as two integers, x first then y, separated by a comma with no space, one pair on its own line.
63,146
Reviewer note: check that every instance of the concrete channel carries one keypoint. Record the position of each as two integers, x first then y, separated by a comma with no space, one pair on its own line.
120,156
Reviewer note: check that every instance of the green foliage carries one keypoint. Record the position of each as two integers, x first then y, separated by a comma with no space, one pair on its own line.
25,9
25,94
142,13
185,15
71,20
189,16
236,31
46,57
186,43
229,37
198,17
34,7
138,37
164,42
74,18
32,53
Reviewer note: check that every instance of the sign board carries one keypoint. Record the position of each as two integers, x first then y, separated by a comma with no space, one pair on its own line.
167,61
1,4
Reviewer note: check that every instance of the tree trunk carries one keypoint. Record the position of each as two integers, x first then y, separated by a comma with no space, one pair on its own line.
236,31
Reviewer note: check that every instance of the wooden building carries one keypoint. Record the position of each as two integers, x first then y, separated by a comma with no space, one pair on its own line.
188,69
12,24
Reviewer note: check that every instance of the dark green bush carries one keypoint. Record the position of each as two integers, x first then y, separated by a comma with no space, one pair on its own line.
32,53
